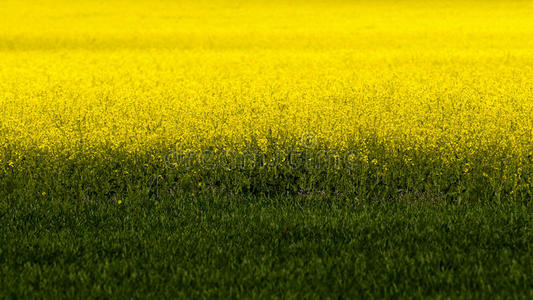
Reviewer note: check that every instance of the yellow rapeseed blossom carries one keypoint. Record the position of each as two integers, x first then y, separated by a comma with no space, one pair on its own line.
446,82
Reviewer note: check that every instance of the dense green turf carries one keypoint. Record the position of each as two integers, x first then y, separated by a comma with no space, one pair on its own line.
206,246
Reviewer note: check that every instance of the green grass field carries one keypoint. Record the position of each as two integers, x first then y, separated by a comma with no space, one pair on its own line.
264,247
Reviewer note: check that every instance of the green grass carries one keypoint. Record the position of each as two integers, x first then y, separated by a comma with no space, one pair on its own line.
285,247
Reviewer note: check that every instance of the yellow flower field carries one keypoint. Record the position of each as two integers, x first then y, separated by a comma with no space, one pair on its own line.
430,97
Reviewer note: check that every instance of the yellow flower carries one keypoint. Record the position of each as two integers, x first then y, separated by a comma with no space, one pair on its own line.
408,98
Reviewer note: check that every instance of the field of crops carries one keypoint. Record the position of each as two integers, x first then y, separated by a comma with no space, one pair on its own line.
367,99
266,149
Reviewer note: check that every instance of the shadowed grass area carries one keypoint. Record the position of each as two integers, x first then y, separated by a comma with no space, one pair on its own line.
383,175
208,246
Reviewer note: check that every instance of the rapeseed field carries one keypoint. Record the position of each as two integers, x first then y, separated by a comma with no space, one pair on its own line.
371,100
